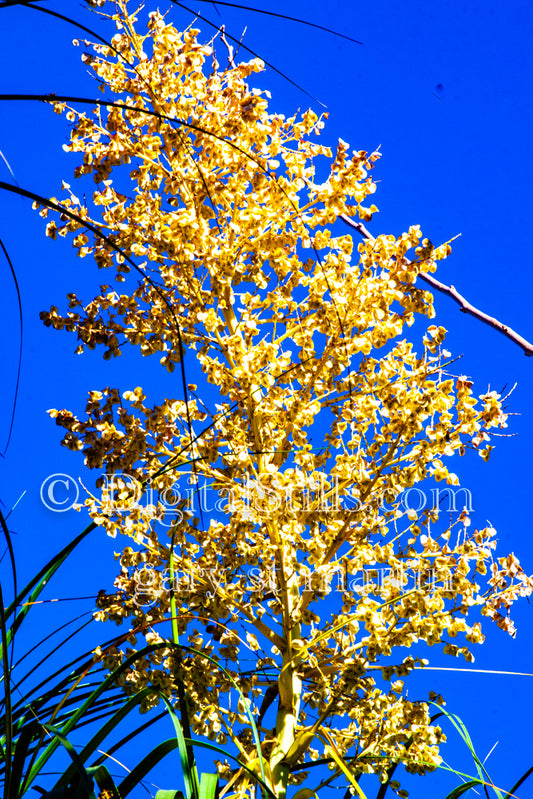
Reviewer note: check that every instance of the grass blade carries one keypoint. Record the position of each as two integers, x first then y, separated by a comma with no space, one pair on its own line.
520,782
166,794
8,748
104,780
21,323
148,762
208,786
37,583
466,786
104,731
188,765
84,779
289,19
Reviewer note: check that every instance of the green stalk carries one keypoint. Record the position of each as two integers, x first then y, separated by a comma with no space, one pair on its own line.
174,617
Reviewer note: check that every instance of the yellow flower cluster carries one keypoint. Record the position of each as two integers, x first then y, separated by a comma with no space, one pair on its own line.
241,265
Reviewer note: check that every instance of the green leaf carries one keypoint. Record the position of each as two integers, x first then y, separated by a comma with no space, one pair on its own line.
104,780
208,786
85,788
188,764
139,772
461,789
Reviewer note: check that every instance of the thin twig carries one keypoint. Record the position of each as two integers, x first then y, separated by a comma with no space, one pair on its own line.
464,305
231,61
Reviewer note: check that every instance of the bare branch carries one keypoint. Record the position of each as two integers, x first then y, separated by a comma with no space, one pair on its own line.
451,291
231,52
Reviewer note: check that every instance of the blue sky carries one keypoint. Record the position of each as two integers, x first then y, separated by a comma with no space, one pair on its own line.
445,91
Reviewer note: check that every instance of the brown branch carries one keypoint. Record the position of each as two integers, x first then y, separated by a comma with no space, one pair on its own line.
451,291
